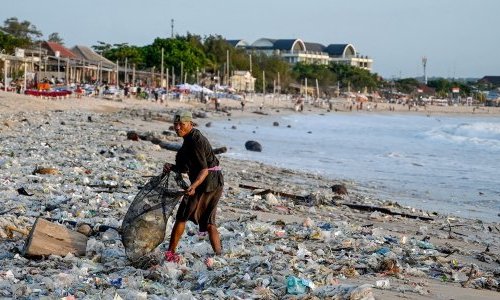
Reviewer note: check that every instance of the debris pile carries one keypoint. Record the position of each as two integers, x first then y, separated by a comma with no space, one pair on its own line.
285,234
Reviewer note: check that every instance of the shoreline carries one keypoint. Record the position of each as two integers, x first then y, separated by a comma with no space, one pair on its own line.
30,103
341,246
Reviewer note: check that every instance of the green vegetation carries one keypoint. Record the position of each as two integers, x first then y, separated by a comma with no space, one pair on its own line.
443,87
54,37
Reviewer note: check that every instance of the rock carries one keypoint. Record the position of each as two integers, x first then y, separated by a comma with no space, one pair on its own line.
146,136
84,229
208,124
253,146
276,124
132,135
169,133
45,171
339,189
156,141
200,114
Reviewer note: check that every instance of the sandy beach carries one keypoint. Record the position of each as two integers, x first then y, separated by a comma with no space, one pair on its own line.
289,223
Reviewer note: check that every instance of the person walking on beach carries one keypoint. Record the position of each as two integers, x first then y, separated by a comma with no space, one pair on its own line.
199,204
217,104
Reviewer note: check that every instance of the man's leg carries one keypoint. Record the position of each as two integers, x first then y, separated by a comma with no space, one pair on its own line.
176,235
214,237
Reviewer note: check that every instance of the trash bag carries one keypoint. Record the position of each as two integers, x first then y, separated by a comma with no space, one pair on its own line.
145,222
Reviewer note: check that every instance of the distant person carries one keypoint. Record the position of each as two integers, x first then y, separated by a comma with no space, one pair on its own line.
217,104
242,105
78,92
199,204
126,91
155,94
138,92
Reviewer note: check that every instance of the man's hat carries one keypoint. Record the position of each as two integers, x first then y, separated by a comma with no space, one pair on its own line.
183,116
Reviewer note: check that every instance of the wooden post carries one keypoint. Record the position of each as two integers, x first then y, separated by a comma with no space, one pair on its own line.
161,72
46,238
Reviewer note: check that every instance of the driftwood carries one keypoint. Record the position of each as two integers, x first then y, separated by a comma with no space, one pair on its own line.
385,211
176,147
46,238
267,191
354,206
132,135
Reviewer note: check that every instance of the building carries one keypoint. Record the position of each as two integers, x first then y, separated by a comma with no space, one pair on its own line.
242,81
16,69
490,81
91,66
57,61
296,50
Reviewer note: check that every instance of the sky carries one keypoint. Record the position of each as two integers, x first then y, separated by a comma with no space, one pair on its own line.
459,38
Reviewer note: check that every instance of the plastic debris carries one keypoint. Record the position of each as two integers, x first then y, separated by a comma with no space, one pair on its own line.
297,286
318,244
383,284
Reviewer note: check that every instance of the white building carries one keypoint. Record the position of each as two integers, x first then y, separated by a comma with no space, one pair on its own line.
243,81
296,50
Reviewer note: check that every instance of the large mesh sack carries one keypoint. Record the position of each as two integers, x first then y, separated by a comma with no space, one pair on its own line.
145,222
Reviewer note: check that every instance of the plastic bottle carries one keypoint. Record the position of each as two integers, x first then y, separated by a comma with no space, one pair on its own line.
297,286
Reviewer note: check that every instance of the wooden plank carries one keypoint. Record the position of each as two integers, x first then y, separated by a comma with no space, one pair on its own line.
46,238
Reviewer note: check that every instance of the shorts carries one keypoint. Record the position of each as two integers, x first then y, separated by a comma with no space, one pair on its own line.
200,208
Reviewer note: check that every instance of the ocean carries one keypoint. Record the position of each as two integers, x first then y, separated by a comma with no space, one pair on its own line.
447,164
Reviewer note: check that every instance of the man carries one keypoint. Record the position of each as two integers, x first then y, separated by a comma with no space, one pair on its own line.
199,204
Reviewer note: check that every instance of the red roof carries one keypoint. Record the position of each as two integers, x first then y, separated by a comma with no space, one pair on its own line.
426,89
63,51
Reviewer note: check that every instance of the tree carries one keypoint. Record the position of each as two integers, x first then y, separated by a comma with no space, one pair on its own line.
216,48
54,37
444,87
177,51
121,52
22,30
9,42
326,78
271,65
101,48
357,78
407,85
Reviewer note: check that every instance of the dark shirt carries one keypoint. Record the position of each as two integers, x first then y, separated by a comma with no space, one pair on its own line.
196,154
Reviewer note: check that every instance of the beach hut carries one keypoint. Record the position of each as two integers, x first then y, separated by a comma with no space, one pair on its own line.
91,66
58,62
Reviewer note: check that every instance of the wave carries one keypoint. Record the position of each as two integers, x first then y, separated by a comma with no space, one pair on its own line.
481,134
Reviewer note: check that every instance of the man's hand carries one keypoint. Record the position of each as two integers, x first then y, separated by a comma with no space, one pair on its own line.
190,190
